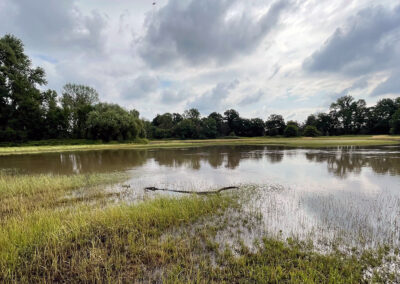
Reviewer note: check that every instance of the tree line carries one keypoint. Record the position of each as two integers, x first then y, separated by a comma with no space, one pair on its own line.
27,112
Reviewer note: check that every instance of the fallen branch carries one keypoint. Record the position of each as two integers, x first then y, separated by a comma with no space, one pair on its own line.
152,188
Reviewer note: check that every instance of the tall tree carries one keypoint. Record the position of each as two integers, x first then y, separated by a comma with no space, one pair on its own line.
275,125
78,101
21,114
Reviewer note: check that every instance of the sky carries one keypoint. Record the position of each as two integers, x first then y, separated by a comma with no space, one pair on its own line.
259,57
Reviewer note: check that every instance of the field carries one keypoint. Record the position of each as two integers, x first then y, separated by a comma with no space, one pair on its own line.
49,234
77,145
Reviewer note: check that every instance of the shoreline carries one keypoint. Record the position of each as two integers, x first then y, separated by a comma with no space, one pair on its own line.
316,142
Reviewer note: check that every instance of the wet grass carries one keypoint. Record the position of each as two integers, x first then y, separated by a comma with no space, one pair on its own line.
46,236
317,142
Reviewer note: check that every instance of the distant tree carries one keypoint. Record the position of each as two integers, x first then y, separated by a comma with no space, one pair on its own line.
395,123
275,125
381,114
176,118
78,101
186,129
112,122
164,121
222,128
325,124
291,130
55,124
257,127
192,113
311,120
209,128
311,131
231,117
348,116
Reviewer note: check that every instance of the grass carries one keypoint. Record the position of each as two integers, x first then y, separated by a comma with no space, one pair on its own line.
117,242
331,141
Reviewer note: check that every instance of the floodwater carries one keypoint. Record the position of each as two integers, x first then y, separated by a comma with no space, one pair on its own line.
344,194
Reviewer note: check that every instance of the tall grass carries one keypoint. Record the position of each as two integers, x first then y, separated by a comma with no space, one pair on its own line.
43,241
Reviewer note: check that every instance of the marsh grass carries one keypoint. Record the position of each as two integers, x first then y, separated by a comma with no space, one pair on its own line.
21,194
49,236
316,142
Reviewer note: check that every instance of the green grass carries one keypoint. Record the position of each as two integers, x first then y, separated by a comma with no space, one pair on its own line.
331,141
167,239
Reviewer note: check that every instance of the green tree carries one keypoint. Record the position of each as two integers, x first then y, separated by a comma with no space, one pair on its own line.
395,123
209,127
349,116
381,114
78,101
291,130
311,131
112,122
21,113
275,125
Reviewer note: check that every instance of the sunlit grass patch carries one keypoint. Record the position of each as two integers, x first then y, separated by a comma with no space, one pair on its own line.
315,142
87,244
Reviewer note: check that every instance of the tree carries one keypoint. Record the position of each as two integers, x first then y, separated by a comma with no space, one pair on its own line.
209,128
55,122
231,117
348,116
222,127
192,113
395,123
291,130
112,122
78,101
325,124
21,113
186,129
257,127
275,125
311,120
381,115
311,131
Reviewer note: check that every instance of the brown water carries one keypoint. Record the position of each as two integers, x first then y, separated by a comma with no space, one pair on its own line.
346,194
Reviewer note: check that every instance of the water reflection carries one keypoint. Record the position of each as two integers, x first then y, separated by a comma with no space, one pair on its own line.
339,161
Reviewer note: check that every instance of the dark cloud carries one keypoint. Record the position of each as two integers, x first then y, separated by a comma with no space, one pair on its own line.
370,42
56,25
212,99
196,32
251,99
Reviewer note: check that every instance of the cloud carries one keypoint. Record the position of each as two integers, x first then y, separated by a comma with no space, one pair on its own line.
369,42
54,25
359,84
141,87
212,99
198,32
170,96
390,86
251,99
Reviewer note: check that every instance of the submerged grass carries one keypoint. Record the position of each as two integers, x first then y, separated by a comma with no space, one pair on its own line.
331,141
88,242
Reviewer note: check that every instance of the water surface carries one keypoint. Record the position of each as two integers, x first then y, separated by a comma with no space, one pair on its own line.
346,194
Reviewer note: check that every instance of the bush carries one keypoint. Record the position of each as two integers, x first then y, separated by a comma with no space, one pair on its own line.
291,131
311,131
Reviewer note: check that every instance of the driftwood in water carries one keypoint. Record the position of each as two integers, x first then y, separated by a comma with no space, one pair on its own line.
152,188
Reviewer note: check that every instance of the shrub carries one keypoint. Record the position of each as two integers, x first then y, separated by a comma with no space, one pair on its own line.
311,131
291,131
